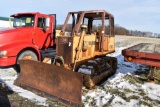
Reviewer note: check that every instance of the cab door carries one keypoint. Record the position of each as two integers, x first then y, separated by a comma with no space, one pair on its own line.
44,35
109,35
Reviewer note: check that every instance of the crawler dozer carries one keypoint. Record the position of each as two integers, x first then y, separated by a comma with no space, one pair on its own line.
80,59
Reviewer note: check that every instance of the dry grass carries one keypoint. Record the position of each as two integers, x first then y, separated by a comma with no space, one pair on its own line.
18,101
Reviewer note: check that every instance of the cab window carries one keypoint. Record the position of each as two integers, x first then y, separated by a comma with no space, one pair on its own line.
23,21
41,22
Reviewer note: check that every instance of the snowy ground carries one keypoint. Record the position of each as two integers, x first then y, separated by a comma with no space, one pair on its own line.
8,76
120,90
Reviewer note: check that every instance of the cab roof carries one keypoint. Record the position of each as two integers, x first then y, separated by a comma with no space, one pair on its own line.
93,13
25,13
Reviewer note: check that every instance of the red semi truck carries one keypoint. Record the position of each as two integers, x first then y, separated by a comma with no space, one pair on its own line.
32,37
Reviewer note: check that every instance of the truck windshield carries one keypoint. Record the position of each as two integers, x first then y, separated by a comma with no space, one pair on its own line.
23,21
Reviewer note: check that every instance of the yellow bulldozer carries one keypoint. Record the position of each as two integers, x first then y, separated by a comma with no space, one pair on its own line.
80,59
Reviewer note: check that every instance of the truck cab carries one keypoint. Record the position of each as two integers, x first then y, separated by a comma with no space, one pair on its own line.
32,35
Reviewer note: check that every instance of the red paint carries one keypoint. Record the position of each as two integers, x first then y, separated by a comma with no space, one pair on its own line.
150,59
16,39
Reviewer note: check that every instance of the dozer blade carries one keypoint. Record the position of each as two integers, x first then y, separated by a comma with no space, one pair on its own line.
51,81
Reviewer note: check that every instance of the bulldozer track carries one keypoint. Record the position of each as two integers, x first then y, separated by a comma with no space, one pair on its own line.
104,70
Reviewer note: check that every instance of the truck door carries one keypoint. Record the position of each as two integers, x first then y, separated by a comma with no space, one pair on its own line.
44,35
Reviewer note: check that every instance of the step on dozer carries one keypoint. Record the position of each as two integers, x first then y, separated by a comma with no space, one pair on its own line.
80,59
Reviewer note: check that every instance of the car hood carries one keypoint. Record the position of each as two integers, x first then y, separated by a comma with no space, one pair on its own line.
9,35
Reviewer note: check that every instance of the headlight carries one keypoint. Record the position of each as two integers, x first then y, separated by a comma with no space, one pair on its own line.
3,53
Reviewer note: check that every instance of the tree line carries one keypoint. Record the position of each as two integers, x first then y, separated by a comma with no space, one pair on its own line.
119,30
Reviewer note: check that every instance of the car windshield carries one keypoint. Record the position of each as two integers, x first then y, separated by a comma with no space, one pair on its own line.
23,21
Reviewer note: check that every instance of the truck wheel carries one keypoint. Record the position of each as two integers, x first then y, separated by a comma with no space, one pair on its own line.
25,55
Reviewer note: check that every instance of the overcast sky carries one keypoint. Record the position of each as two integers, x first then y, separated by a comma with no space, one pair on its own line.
143,15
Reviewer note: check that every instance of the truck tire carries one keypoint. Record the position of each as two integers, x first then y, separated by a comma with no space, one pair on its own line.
27,54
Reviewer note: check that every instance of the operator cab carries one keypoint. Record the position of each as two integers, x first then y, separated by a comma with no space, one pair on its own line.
28,20
99,23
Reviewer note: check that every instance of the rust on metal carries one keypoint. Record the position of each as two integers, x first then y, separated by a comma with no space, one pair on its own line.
91,13
51,81
103,29
148,62
89,51
83,54
151,75
77,27
143,53
63,48
65,23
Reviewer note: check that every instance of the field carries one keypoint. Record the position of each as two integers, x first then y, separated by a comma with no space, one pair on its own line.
127,88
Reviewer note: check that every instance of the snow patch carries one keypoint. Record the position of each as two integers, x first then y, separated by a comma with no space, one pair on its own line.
9,76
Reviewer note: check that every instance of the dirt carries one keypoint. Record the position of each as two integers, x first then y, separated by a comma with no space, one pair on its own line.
18,101
9,98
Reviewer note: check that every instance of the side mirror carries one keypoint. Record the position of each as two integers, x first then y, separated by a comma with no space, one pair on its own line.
47,23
